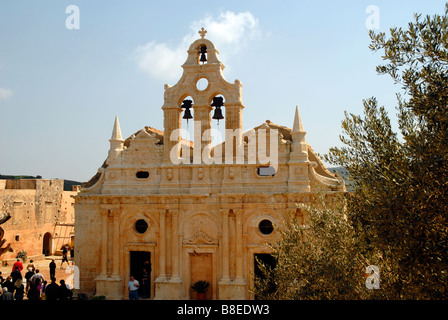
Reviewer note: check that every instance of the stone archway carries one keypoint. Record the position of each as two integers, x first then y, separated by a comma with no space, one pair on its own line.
47,244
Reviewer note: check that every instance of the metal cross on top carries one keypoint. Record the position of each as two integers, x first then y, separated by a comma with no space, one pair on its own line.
202,32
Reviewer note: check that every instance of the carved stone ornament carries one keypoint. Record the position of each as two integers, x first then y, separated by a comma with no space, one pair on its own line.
200,237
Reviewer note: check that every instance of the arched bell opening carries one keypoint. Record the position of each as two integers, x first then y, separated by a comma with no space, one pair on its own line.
218,124
202,55
187,119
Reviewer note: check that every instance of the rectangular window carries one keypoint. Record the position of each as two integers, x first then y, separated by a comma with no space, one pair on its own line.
48,211
266,171
18,212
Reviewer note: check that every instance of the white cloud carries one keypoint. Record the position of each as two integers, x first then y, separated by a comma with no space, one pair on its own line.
229,32
5,93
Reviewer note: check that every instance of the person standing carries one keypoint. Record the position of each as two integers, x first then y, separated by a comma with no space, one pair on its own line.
64,292
133,286
18,264
19,290
145,284
37,275
42,289
15,275
52,290
8,284
72,255
31,265
33,292
64,256
28,276
52,266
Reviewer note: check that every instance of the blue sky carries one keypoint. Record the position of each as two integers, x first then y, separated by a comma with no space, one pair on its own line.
60,88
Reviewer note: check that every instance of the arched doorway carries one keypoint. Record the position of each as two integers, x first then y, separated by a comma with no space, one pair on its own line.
47,244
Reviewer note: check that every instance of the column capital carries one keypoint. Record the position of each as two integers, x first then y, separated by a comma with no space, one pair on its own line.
168,212
109,211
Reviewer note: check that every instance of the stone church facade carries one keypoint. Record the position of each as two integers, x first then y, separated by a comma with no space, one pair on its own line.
158,203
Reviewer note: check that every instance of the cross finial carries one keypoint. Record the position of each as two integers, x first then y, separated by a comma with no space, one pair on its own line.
202,32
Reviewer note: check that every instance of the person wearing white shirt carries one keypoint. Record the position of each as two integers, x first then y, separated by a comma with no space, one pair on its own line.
133,286
37,275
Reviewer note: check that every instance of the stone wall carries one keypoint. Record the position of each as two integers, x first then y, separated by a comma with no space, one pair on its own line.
37,207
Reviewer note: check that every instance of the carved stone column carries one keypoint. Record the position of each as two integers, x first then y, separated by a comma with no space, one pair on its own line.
162,245
108,283
239,244
175,245
225,245
104,242
116,244
168,287
172,122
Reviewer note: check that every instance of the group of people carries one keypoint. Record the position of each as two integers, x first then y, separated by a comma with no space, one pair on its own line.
32,285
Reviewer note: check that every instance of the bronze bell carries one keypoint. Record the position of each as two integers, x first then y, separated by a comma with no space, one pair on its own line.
187,105
217,115
187,114
217,102
203,51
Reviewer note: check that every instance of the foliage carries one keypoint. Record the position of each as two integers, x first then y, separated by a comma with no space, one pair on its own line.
400,184
323,258
397,216
22,255
200,286
9,177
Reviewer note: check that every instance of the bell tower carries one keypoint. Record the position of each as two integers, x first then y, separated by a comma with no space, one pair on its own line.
203,81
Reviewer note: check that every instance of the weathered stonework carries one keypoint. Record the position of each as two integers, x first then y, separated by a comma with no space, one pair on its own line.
42,215
204,221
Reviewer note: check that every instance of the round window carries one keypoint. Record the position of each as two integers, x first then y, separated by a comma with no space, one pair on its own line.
141,226
202,84
266,227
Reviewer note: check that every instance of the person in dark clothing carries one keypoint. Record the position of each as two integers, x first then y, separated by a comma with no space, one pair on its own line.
33,292
64,256
16,275
20,290
28,276
145,284
52,266
8,284
52,290
6,295
72,255
64,292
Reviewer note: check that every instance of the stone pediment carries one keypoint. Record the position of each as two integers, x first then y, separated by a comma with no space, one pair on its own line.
143,147
144,135
200,237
